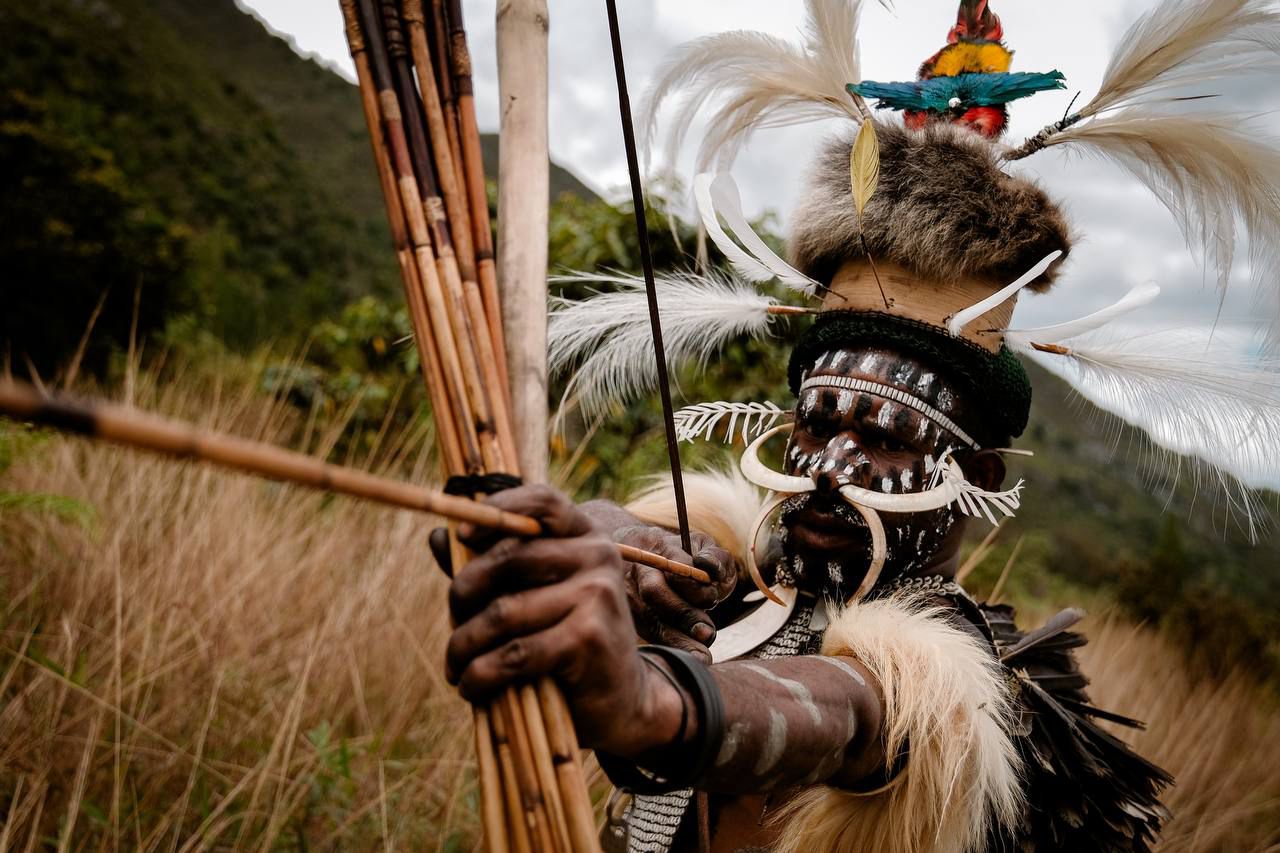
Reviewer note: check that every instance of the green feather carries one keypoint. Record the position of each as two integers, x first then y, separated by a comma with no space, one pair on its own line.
973,90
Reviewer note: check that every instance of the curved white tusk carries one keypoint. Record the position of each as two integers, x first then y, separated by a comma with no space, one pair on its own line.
939,496
973,312
753,568
879,550
766,478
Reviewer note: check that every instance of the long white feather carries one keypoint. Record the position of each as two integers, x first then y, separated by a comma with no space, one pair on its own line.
724,194
1217,176
605,339
1190,397
1136,298
1181,42
1004,294
756,81
744,264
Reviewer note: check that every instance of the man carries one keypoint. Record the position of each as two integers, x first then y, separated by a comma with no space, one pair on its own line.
560,606
880,707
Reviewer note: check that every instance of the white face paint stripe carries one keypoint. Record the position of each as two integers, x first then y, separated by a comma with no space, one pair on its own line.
899,396
775,744
798,691
729,746
845,668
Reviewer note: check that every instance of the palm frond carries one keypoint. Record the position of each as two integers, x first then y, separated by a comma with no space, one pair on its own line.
701,420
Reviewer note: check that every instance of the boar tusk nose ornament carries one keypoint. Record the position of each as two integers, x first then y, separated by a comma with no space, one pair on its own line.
784,487
948,486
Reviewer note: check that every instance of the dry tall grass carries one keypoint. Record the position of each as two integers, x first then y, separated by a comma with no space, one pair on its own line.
218,662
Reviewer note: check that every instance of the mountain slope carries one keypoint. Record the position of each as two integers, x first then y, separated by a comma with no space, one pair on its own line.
177,149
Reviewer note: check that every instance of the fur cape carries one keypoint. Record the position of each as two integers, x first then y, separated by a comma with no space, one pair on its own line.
943,207
1003,749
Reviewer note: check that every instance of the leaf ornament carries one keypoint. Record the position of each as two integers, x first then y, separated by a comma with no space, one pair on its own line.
864,166
701,420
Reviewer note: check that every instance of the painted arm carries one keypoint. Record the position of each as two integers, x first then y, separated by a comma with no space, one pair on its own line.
557,606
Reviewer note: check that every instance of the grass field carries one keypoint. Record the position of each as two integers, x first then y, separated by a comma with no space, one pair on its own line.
193,660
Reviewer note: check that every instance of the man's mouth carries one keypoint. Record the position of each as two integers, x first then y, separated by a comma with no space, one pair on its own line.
820,525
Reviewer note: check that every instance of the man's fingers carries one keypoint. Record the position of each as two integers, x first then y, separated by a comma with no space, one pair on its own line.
676,640
568,647
559,516
670,609
438,540
507,618
515,564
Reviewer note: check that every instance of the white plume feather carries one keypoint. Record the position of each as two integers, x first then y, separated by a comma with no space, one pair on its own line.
606,336
1182,42
759,81
1213,173
1190,397
1136,298
724,194
744,263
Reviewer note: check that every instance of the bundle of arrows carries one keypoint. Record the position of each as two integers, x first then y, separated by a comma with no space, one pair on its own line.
414,73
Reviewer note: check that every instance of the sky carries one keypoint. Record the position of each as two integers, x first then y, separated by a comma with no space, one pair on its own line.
1124,236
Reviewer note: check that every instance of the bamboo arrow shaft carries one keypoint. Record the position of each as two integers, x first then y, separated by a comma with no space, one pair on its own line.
183,440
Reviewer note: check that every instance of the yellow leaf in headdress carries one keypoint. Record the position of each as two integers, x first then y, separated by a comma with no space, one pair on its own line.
864,166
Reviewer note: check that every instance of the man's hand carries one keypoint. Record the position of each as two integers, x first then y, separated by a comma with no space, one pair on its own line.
556,606
668,610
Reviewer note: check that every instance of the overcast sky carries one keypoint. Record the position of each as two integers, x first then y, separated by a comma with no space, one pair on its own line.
1127,237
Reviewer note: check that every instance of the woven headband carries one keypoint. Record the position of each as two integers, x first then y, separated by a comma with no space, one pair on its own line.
865,386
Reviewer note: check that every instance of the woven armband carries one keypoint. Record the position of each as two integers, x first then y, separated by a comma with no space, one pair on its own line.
695,679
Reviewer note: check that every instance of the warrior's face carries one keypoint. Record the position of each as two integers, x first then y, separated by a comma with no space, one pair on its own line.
883,421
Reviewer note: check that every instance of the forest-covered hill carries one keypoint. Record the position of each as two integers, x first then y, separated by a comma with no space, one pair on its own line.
177,151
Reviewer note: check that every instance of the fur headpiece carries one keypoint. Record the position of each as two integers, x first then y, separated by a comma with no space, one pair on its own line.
943,208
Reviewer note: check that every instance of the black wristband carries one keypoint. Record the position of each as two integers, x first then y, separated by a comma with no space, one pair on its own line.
696,679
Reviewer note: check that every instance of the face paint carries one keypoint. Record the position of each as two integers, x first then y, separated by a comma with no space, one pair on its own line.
885,415
946,401
869,362
838,360
906,480
886,485
775,744
810,401
844,402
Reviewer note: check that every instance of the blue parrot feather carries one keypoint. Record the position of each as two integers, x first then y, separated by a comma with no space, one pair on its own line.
973,90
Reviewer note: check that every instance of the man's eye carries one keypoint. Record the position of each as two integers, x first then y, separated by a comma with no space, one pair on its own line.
885,442
820,428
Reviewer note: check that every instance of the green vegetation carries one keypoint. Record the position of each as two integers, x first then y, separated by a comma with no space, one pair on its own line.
171,158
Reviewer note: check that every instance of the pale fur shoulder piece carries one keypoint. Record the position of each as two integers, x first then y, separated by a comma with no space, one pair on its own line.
722,504
943,208
947,703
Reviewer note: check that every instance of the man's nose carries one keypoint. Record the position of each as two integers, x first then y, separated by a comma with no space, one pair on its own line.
841,463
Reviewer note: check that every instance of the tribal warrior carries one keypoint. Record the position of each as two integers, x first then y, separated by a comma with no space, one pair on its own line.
851,696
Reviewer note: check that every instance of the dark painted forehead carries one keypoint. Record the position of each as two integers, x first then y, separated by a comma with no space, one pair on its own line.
892,368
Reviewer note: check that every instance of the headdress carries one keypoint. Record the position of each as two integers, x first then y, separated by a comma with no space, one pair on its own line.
916,234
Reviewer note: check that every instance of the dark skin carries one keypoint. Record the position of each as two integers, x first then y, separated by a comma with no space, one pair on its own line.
566,605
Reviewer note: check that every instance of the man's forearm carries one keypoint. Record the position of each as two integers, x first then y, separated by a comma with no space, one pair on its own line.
787,722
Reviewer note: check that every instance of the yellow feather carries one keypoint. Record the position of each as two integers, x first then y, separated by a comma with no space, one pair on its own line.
972,58
864,166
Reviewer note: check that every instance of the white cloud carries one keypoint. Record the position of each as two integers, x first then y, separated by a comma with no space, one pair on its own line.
1127,237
